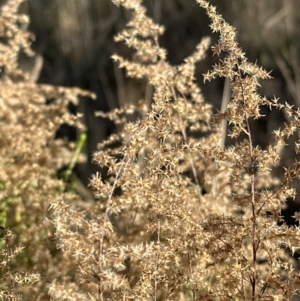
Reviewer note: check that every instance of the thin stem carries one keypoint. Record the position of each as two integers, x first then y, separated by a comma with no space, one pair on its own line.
155,280
185,138
225,102
184,135
253,204
106,217
158,242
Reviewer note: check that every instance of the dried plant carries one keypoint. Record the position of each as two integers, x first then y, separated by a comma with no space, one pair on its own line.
12,279
177,217
30,156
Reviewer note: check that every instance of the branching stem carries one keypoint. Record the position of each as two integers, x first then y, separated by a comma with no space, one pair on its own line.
253,204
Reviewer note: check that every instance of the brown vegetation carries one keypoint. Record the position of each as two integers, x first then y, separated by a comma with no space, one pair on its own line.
177,216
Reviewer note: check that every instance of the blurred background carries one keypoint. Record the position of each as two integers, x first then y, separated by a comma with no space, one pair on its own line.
74,44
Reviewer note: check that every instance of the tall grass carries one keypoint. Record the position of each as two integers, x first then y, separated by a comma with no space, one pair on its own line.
30,156
180,216
177,215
